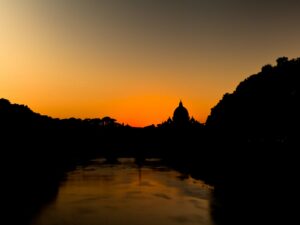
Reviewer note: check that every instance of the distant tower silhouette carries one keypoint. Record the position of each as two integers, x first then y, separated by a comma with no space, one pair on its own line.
181,116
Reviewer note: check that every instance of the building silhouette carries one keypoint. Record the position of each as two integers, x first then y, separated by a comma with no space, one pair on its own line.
181,116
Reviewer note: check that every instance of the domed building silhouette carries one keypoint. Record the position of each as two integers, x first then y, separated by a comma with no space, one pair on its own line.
181,119
181,116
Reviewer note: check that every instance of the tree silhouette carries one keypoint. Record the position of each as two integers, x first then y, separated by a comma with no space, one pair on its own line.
264,106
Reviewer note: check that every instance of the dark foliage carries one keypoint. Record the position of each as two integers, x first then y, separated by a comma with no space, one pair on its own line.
264,107
247,149
254,143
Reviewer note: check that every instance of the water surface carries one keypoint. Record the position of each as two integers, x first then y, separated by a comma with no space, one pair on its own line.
125,193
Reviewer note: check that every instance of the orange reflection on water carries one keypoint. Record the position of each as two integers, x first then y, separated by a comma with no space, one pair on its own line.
127,194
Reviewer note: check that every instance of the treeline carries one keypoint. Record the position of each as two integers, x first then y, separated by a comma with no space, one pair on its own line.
251,137
263,108
253,148
36,151
253,130
45,138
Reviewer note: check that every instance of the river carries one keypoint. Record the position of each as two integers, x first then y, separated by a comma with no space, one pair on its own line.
125,193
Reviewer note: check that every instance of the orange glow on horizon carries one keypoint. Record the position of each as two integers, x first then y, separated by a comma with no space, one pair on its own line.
138,111
91,62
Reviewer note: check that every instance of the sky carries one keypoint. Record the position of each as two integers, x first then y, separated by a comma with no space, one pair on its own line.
134,60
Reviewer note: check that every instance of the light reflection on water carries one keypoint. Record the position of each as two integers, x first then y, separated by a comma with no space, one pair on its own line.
124,193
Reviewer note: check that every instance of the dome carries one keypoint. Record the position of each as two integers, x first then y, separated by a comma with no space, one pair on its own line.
181,115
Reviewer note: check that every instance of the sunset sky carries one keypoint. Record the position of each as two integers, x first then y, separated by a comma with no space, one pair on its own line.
134,60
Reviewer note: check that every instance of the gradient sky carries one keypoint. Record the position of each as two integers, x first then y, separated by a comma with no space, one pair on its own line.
134,60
